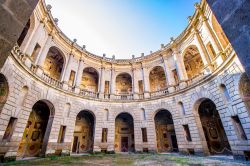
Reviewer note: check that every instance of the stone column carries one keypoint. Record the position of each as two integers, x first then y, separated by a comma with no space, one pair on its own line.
145,82
180,67
66,71
135,85
31,43
214,41
11,17
42,56
169,76
101,85
203,51
79,75
112,82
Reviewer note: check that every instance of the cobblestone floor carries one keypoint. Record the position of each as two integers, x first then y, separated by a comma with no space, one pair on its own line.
131,160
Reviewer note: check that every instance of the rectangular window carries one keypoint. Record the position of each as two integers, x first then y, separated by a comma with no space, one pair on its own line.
144,135
176,77
62,134
106,90
35,52
211,50
187,133
104,135
239,128
72,78
141,88
10,129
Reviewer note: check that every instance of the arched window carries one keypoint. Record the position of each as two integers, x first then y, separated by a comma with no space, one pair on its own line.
225,92
90,79
157,79
67,109
182,108
23,95
193,62
54,63
123,84
143,114
106,114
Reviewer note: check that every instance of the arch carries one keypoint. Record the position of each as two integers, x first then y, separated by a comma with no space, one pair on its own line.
36,134
4,91
54,63
182,108
143,114
67,108
244,90
124,133
219,32
165,132
90,79
106,117
225,92
83,137
193,61
211,130
24,33
23,94
157,79
123,84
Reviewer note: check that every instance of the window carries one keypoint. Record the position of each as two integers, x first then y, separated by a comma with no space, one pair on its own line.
141,88
143,112
35,52
187,133
107,89
144,135
239,128
104,135
72,78
211,51
61,134
225,92
183,111
10,129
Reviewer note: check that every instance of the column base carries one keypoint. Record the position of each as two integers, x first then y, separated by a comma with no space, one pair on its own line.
65,86
39,71
77,90
171,89
146,95
183,85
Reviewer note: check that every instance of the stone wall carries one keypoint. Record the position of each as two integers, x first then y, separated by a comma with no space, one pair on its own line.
12,21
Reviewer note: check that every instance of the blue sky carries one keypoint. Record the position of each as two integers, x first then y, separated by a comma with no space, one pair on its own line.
122,27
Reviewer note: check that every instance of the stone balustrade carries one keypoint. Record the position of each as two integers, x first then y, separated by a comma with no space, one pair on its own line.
22,59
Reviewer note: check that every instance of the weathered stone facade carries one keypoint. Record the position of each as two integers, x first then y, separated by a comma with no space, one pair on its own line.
27,78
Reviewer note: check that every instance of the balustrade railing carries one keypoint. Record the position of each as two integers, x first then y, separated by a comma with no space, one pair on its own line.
159,93
123,97
87,93
51,80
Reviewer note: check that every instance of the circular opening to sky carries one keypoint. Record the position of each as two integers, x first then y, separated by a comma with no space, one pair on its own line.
122,27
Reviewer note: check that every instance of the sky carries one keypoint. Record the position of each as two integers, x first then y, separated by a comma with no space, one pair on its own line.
122,27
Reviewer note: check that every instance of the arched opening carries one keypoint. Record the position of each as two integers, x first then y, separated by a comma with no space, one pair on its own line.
90,80
83,140
4,91
182,108
225,92
124,133
165,132
54,63
24,33
244,90
157,79
123,84
214,132
193,62
36,133
219,32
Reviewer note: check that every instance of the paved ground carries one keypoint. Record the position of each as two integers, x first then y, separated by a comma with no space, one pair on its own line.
131,160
